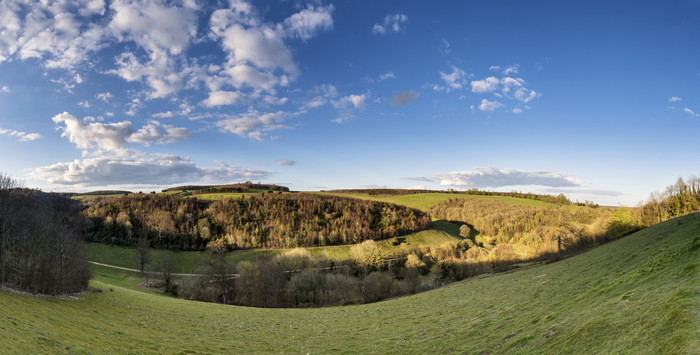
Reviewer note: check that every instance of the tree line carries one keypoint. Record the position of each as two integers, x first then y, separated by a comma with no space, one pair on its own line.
240,187
266,220
559,199
677,199
40,246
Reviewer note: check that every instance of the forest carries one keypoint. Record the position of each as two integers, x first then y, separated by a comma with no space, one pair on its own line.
40,246
265,220
240,187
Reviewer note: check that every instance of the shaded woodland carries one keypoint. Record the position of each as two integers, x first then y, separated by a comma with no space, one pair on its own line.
266,220
40,246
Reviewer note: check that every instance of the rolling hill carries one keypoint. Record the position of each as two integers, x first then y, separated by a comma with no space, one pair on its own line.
639,294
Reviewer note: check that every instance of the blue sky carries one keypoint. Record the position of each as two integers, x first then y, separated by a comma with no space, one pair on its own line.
595,100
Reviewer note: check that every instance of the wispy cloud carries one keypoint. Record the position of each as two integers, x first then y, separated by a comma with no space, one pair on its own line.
675,99
22,136
492,178
391,24
691,112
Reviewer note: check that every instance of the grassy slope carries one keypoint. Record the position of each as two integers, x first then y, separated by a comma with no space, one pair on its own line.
640,294
186,261
425,201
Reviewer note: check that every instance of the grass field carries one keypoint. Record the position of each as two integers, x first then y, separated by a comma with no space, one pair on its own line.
639,294
425,201
187,261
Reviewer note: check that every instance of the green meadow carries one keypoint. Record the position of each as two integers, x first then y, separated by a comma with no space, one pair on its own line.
639,294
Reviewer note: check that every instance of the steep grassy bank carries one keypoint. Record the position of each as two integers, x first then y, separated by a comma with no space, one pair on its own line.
639,294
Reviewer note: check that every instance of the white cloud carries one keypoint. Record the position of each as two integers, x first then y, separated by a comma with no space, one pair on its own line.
167,114
252,124
156,133
99,138
494,68
511,69
50,32
219,98
456,79
105,96
402,98
351,101
486,85
5,89
262,47
675,99
84,103
286,162
509,83
487,105
691,112
386,76
104,136
525,95
306,23
22,136
492,178
391,24
156,170
153,25
517,111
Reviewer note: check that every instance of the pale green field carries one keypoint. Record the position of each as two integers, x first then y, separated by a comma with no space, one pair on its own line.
186,261
639,294
424,201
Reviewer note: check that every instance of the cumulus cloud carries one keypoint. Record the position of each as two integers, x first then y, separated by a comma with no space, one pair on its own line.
391,24
159,169
156,133
456,79
286,162
56,33
114,137
85,135
402,98
486,85
105,96
22,136
487,105
524,95
253,124
517,111
511,69
675,99
492,178
5,89
351,101
218,98
306,23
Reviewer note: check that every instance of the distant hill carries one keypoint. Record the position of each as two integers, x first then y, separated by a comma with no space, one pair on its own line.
238,187
560,199
104,193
